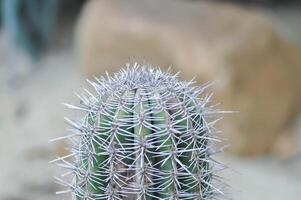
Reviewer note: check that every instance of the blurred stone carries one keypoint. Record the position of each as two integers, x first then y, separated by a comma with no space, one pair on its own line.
60,149
265,86
257,68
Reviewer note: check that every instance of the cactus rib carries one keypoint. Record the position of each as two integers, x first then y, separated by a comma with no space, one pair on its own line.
145,136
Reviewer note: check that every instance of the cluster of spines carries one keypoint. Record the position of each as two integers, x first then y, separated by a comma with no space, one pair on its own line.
145,136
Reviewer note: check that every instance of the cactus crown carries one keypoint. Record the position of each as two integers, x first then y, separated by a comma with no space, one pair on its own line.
145,135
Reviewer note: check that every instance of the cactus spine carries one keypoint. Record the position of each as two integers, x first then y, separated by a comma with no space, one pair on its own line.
145,136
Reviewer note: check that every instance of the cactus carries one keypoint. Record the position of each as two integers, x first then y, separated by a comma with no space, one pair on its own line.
145,136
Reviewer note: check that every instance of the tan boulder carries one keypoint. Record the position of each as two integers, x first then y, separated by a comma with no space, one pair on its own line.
257,68
265,87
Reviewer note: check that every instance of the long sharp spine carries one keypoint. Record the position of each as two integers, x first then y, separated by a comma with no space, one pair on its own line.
145,136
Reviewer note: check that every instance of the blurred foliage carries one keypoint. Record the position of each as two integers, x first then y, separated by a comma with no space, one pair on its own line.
1,2
31,23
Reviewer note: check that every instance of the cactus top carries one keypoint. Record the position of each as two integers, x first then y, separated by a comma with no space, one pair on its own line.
144,135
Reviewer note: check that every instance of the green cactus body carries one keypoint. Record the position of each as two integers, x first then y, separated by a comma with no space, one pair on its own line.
144,137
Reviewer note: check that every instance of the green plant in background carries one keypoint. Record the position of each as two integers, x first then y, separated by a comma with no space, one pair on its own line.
0,13
145,135
30,22
34,24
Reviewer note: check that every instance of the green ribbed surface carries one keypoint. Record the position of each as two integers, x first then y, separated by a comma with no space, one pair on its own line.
144,136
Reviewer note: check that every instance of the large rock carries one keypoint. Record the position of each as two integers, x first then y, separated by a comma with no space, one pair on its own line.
257,68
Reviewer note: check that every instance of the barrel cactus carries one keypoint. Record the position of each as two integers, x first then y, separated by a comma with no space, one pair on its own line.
144,136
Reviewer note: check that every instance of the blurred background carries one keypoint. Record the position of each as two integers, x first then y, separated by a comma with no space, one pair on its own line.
251,48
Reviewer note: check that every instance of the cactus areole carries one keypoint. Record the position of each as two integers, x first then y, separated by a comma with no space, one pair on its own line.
144,135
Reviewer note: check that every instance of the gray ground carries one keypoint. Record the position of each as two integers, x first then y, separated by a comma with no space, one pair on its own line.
31,114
